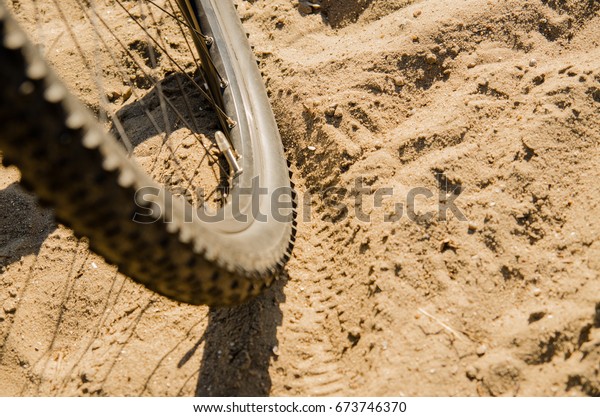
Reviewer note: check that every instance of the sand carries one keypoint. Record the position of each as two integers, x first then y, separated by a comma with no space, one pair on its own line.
484,284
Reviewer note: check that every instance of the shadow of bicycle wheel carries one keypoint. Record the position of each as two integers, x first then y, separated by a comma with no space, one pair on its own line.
239,343
24,225
175,105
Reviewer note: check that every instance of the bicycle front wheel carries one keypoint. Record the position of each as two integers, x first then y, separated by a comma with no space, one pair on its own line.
174,244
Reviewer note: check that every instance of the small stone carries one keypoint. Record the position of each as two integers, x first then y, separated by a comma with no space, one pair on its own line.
331,110
537,292
431,58
483,82
187,143
276,350
417,13
338,113
127,93
533,62
473,227
399,81
10,306
113,96
481,350
471,372
354,335
312,148
280,23
415,38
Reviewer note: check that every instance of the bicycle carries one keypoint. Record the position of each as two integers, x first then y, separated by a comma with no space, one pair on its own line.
158,234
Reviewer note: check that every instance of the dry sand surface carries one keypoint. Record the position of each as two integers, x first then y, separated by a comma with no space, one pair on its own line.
490,105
